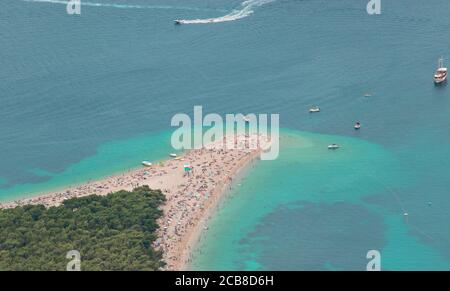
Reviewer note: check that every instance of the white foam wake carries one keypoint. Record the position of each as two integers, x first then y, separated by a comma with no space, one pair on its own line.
123,6
245,10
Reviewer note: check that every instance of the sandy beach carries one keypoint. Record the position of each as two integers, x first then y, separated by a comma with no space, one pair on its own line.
191,195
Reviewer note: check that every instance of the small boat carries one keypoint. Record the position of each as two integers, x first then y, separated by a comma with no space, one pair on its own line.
147,163
177,22
441,73
246,119
314,109
367,95
357,125
333,146
173,155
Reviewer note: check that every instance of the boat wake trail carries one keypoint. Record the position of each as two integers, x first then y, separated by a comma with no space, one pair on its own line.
245,10
125,6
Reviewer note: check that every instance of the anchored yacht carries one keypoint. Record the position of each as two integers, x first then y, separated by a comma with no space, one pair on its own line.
441,73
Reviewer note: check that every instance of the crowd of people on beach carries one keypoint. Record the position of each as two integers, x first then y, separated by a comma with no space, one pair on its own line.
190,195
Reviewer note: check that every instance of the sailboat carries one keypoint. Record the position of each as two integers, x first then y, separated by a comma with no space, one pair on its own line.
441,73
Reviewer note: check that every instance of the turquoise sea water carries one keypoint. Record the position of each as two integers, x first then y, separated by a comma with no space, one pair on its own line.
315,209
109,158
86,96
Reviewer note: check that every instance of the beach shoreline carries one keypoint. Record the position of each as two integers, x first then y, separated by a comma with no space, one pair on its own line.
49,190
193,194
221,193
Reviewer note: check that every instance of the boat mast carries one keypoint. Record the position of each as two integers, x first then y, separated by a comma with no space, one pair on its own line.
441,63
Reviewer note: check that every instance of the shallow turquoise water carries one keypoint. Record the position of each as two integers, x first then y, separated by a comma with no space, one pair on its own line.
311,210
100,101
110,158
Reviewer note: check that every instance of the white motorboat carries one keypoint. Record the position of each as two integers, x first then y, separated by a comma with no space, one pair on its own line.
147,163
357,125
314,109
173,155
333,146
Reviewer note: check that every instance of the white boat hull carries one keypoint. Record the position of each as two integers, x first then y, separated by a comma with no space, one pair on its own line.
147,164
440,80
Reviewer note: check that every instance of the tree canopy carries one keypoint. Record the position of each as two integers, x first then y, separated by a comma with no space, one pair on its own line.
113,232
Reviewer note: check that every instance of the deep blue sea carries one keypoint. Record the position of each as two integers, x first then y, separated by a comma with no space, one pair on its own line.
85,96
